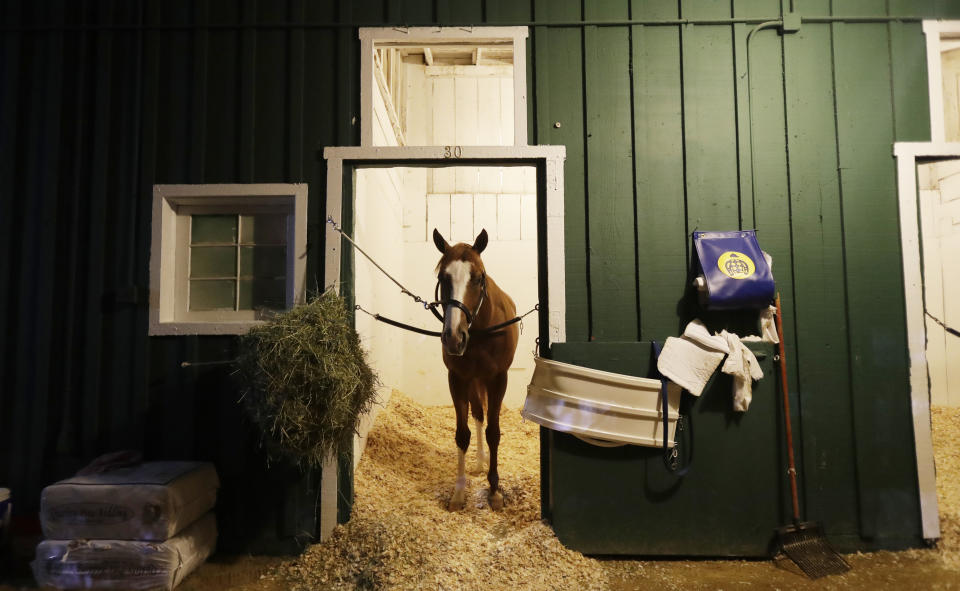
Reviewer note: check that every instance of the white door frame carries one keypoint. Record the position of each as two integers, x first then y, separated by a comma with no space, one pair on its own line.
372,36
907,154
938,35
937,32
549,158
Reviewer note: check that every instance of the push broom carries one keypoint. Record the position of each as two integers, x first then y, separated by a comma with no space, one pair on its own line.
802,541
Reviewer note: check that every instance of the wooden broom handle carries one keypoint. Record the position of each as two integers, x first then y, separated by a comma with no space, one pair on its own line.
786,415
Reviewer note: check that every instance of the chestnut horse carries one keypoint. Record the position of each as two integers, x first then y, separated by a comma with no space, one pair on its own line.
476,363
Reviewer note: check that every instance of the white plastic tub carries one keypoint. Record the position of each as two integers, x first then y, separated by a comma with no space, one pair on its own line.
599,405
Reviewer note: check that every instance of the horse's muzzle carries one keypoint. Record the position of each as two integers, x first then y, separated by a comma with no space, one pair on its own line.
454,342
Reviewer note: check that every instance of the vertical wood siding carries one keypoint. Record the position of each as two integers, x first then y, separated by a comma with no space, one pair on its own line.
100,99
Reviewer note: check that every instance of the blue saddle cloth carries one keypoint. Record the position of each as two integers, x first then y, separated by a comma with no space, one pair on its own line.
736,272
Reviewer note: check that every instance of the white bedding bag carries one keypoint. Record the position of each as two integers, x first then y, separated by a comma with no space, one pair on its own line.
151,501
125,564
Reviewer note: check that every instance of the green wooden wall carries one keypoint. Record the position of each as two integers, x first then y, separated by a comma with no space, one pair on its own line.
100,99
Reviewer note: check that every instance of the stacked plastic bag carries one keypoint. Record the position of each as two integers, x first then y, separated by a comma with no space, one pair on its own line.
141,526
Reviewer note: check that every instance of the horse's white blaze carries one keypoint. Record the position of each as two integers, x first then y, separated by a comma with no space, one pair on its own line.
459,273
481,454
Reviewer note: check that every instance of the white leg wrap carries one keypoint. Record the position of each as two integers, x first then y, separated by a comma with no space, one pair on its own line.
481,440
458,499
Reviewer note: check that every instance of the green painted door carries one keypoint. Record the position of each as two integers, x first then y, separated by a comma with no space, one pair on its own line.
624,501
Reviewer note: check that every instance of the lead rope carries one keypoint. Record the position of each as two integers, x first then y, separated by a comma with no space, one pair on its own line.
431,306
403,289
434,333
385,320
952,331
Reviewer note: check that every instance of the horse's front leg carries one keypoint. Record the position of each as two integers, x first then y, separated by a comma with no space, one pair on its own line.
477,396
459,392
496,388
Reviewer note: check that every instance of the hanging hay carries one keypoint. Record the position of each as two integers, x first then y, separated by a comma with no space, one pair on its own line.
305,380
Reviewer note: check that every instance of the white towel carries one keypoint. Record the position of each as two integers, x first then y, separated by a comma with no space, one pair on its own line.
742,364
768,325
697,331
689,361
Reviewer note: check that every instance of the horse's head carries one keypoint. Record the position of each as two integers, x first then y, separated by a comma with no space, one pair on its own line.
462,281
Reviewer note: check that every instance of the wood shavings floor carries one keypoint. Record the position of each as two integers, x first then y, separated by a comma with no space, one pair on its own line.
402,537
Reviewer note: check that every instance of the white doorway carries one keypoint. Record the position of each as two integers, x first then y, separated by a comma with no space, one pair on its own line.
923,255
923,279
440,107
450,92
395,212
939,204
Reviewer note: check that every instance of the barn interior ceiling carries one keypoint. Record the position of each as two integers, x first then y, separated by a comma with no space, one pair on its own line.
491,53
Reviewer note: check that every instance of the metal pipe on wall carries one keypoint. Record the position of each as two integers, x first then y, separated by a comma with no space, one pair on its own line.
561,24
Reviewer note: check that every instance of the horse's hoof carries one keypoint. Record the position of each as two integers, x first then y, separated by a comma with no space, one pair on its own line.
458,501
496,501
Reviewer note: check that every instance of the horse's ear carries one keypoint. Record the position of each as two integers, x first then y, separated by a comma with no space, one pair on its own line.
481,242
442,245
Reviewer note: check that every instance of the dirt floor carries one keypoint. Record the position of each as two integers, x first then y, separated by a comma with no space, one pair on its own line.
402,537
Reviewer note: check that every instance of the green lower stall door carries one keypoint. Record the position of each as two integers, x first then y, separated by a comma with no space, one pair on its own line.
624,501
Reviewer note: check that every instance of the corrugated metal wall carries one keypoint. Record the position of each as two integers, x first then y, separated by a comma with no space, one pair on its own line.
101,99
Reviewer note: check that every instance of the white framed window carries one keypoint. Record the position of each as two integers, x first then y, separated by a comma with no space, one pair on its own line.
412,78
224,257
943,71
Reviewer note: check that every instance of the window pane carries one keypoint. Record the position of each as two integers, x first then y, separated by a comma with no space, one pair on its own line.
263,229
263,261
262,293
213,228
212,295
213,261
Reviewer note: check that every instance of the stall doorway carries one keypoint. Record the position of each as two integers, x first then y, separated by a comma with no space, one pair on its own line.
443,144
453,93
396,210
939,203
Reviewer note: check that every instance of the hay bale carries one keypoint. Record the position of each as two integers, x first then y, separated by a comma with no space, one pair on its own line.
305,380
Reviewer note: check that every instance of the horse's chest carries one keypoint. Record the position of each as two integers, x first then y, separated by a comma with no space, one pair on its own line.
477,364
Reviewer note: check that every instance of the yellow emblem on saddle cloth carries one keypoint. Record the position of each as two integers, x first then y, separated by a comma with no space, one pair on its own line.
736,265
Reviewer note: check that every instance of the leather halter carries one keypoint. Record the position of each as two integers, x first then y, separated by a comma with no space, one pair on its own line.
471,316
